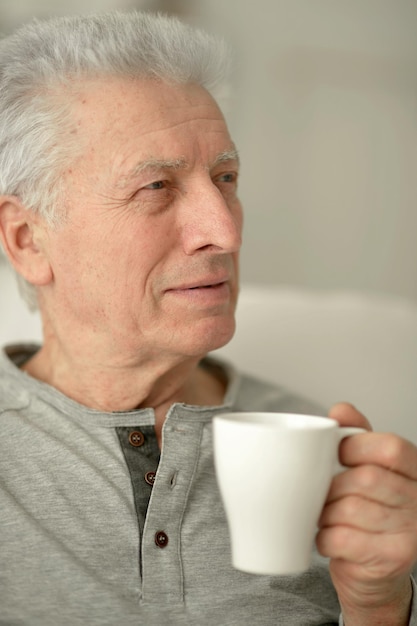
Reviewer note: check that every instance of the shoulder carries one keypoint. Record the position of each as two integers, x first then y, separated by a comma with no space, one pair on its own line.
14,384
246,392
256,394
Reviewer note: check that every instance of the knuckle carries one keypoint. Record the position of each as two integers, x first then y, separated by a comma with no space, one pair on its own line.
368,477
333,541
392,450
351,507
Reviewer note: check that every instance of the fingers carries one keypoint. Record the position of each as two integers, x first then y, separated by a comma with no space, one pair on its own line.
370,517
371,555
373,498
370,514
366,515
381,449
368,527
374,483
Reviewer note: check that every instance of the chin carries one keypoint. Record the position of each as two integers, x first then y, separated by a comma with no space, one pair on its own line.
212,337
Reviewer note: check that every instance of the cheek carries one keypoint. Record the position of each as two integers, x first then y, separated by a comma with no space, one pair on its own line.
83,267
112,263
130,261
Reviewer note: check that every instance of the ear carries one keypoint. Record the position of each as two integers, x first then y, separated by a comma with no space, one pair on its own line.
22,234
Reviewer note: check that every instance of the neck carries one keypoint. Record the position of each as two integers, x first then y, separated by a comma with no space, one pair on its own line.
128,384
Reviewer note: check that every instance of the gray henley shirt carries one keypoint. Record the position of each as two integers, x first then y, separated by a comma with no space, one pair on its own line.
96,530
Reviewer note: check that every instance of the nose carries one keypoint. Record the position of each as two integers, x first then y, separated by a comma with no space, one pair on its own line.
211,221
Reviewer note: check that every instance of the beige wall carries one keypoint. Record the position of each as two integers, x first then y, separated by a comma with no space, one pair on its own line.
326,123
327,128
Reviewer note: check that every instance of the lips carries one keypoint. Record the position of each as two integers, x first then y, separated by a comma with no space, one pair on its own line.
201,284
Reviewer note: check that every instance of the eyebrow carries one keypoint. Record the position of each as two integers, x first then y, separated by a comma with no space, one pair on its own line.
172,164
227,155
151,164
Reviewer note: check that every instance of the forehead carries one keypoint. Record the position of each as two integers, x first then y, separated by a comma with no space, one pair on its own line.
118,121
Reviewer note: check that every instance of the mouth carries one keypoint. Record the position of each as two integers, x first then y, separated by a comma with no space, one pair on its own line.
204,293
203,284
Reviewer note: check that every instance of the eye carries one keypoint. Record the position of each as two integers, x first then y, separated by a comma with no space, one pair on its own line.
227,177
157,184
227,183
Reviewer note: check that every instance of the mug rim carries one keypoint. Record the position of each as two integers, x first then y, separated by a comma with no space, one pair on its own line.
275,419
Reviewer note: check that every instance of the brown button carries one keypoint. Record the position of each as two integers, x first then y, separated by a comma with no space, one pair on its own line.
136,438
161,539
150,478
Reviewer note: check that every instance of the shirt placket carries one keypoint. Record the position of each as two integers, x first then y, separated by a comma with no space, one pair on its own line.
162,572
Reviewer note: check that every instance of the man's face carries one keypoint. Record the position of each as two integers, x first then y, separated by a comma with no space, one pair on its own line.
148,258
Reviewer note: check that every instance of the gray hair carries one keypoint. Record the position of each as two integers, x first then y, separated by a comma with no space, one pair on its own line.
41,60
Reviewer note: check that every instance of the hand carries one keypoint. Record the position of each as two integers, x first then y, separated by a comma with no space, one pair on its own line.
368,527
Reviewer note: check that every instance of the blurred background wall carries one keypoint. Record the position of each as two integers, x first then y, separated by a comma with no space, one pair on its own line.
325,118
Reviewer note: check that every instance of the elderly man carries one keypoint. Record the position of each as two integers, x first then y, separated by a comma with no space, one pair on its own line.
119,212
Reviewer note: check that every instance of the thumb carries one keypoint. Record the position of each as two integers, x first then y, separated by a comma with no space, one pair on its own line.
347,415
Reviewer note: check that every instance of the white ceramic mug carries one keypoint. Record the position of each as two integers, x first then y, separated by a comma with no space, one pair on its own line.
274,471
